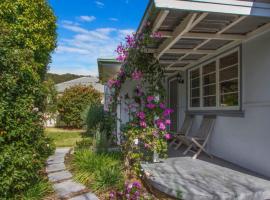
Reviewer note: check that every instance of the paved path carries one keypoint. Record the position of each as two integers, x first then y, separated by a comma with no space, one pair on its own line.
61,178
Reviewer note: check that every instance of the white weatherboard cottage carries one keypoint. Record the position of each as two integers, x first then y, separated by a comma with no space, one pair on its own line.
217,58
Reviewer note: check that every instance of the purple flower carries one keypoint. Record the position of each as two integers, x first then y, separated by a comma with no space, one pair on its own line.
137,75
143,124
136,184
141,115
167,112
160,124
112,195
167,121
162,106
156,35
167,136
150,105
150,99
130,41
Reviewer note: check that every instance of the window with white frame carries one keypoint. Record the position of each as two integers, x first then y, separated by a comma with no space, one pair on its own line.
215,85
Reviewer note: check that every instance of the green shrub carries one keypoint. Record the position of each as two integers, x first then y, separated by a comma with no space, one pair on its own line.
99,171
73,103
38,191
27,37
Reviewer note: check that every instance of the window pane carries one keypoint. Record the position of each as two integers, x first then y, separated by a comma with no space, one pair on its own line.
195,88
229,60
209,101
195,93
209,79
195,73
209,90
211,67
229,86
195,102
229,100
195,83
228,73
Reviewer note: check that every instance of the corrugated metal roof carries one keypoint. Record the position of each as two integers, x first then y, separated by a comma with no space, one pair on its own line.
94,81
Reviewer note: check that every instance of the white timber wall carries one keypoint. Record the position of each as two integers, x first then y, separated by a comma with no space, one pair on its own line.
245,140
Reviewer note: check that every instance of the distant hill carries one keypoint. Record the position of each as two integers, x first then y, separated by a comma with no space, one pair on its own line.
60,78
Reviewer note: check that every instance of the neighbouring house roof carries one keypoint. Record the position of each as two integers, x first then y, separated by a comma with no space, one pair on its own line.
107,68
196,30
94,81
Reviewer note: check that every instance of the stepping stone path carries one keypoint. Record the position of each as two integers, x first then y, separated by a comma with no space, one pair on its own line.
61,178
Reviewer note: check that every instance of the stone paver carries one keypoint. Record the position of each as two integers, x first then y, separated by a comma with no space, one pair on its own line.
55,167
66,188
87,196
59,176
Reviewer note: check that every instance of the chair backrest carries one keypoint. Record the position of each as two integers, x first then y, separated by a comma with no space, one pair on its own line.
187,124
206,127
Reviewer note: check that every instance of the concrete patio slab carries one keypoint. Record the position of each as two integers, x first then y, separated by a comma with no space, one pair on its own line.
87,196
66,188
184,177
59,176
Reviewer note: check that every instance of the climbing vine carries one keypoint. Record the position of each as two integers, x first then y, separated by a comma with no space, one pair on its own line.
146,132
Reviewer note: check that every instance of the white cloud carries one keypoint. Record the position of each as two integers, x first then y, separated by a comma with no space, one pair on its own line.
78,53
87,18
113,19
99,4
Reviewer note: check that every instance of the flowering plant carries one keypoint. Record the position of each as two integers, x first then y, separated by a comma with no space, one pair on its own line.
146,131
132,191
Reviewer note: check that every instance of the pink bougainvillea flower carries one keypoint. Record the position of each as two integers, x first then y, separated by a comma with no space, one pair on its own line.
143,124
137,75
121,58
156,35
130,41
150,99
162,126
167,112
162,106
167,122
150,105
117,83
141,115
110,83
168,136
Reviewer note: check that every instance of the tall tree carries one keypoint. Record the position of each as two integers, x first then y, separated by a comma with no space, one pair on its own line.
27,38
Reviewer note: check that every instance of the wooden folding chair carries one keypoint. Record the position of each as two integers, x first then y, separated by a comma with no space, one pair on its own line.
199,141
177,138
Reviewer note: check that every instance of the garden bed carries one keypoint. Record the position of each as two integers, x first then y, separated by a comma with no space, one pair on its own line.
104,174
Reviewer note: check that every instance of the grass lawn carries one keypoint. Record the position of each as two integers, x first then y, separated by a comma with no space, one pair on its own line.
64,137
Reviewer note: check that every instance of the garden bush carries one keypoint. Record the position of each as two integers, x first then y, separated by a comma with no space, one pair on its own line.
73,103
27,37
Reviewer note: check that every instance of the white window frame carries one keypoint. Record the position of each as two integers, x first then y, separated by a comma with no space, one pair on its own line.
217,107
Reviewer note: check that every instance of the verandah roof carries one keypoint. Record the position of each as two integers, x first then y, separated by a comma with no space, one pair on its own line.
193,31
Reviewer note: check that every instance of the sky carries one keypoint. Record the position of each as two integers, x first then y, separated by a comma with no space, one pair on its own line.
91,29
